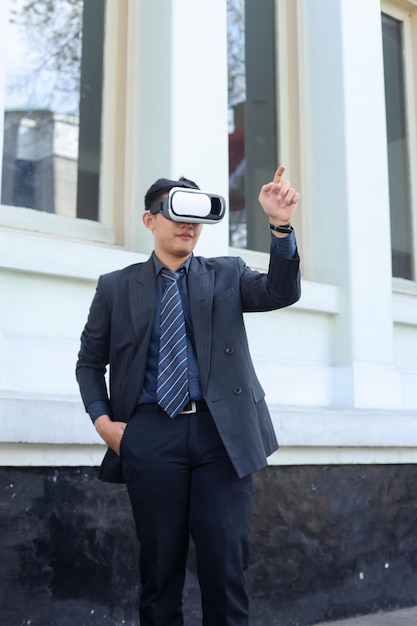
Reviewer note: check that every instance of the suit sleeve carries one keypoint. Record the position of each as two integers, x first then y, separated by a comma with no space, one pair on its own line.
278,288
93,356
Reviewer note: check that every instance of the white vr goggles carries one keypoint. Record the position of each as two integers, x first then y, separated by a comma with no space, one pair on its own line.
191,205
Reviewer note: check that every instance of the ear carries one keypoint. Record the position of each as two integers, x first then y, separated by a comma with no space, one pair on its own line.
148,219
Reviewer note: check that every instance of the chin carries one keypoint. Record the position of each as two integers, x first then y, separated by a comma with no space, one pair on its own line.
185,251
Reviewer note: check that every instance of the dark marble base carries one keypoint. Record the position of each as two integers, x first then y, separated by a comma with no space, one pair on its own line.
328,542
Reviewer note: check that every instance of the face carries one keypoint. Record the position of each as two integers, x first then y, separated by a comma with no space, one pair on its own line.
173,241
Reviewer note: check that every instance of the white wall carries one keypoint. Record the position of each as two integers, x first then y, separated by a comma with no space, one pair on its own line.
340,367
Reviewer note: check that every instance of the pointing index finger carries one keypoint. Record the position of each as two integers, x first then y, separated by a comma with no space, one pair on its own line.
278,174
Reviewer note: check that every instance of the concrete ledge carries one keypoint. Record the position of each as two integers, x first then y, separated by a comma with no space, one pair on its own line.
30,252
344,427
52,455
55,430
33,419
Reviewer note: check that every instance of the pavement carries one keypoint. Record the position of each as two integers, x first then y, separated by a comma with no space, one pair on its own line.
401,617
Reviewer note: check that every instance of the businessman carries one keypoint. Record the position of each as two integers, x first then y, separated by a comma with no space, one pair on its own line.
185,418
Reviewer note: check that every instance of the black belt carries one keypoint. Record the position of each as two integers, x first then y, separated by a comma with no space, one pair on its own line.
194,406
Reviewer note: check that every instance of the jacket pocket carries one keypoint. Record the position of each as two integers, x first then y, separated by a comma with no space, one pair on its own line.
224,296
122,441
258,393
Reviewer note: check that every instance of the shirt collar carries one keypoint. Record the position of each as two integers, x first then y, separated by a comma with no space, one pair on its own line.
159,266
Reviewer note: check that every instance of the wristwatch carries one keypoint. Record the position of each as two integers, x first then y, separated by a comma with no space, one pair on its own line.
283,228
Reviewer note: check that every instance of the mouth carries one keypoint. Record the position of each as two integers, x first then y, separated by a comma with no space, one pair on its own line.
185,236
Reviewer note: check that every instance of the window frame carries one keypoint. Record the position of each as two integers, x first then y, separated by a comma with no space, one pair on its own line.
258,113
406,12
109,228
289,121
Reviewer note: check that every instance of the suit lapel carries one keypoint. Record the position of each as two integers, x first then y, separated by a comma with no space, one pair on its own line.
141,291
200,290
142,301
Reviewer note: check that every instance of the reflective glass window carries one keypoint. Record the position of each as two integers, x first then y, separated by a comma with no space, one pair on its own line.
398,148
53,106
252,116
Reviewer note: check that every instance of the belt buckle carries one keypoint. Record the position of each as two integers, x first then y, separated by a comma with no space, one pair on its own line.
193,408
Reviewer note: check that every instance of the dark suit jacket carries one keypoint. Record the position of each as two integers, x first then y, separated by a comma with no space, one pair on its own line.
220,290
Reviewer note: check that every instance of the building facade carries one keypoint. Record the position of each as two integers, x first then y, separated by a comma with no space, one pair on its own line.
220,92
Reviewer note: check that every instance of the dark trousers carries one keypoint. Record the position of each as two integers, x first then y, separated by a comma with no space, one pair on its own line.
180,483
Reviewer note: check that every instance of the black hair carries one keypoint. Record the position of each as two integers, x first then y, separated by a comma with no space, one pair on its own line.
164,185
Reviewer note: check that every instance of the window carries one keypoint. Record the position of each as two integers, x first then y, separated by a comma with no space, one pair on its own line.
252,116
53,106
396,37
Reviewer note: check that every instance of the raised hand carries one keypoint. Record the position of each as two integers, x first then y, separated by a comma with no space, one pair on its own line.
278,199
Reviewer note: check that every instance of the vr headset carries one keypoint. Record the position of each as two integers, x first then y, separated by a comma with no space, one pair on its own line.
191,205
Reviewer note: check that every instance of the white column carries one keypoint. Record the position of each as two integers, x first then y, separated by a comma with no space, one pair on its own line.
347,174
181,100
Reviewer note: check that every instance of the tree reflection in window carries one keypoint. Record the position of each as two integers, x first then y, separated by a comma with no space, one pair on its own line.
53,101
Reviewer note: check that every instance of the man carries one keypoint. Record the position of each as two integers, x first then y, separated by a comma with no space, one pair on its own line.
189,473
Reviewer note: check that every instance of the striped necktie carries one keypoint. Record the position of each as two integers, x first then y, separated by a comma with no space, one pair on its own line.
172,383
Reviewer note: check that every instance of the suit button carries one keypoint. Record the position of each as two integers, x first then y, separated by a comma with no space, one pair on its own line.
237,391
229,351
